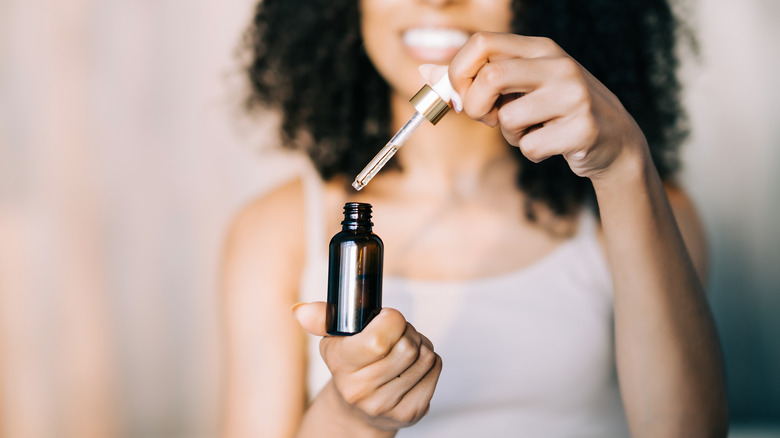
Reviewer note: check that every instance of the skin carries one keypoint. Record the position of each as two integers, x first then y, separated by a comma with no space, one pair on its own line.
383,378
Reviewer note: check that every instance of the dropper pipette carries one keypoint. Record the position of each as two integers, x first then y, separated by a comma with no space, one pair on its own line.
429,103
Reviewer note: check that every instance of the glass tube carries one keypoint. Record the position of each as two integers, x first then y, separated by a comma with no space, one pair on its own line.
387,152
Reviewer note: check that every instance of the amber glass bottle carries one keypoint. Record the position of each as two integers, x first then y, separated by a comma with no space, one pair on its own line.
354,273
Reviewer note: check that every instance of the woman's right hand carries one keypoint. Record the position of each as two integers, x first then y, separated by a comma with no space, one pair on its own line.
385,375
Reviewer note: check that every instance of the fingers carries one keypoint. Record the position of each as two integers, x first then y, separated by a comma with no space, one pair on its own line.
395,374
498,80
570,137
381,336
518,116
411,349
485,47
388,371
396,390
371,345
431,73
415,404
404,401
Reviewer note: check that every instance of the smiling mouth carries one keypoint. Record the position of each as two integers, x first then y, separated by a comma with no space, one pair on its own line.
435,38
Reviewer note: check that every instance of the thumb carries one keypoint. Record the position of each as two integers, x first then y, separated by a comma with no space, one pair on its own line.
431,73
311,316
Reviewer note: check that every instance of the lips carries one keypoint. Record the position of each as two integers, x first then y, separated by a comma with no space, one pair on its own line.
434,44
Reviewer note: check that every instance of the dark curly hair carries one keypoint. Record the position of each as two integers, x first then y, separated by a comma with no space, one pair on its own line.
306,59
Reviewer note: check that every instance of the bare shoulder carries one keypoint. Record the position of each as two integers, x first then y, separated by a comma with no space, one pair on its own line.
265,242
263,344
691,227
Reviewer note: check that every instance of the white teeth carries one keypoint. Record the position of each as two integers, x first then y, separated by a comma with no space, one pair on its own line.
435,38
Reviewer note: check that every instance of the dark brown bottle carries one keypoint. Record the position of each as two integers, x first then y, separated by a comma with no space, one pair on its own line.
354,273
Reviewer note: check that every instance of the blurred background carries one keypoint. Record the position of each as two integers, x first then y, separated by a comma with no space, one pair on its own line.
124,154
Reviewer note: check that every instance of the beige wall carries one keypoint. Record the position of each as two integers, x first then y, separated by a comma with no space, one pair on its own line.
123,156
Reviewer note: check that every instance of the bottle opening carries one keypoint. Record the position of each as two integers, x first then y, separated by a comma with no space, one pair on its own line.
357,214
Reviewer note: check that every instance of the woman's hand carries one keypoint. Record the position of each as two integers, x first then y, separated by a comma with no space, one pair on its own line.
544,102
385,375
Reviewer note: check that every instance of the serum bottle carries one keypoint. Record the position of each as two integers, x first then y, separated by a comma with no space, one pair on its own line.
354,273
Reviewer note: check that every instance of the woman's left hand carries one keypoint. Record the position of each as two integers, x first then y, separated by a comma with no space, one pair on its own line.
545,103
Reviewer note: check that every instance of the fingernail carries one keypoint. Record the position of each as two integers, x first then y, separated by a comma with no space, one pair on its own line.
294,309
457,102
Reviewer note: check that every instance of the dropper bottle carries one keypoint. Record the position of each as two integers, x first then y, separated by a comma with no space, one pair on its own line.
354,273
430,103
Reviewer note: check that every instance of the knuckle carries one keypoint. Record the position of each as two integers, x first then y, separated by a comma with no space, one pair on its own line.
512,137
491,72
588,130
427,357
579,96
568,67
529,146
351,394
378,345
373,407
472,112
510,131
395,320
407,350
546,44
506,117
482,40
407,416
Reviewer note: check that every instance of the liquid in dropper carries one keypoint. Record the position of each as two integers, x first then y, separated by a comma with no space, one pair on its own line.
387,152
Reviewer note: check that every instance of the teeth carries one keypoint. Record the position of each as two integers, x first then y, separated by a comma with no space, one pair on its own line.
432,38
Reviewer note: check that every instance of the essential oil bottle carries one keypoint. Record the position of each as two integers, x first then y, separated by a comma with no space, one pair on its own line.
354,273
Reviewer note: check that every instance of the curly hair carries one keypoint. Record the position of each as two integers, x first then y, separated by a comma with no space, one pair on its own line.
306,60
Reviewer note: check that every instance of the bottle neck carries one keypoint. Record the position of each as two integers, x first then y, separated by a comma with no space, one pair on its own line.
357,217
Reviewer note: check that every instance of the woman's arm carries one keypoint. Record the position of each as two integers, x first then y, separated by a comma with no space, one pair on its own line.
668,354
667,348
264,367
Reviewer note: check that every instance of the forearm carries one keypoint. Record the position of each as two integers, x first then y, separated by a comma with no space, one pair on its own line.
330,416
668,353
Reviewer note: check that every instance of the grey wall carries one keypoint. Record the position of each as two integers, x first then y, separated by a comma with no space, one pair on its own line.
732,172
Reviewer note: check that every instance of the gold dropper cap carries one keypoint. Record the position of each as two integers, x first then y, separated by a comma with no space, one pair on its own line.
428,103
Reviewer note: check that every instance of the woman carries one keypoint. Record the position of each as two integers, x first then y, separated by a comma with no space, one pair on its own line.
504,295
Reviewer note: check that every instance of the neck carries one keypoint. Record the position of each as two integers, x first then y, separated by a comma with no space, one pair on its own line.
457,154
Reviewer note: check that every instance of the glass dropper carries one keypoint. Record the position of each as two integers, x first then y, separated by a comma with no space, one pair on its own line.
429,103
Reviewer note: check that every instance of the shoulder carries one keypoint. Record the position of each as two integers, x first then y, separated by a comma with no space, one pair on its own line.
691,227
266,241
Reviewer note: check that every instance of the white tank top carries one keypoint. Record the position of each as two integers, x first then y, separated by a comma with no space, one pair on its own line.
527,353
